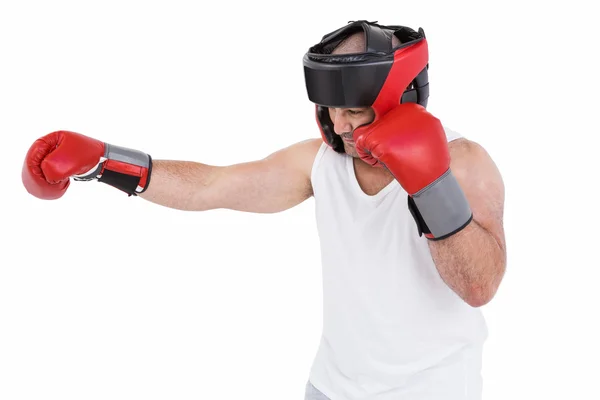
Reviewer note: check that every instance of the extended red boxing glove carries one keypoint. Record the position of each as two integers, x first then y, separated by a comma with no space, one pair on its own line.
412,145
53,159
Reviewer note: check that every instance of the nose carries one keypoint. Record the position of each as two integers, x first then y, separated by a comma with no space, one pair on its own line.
341,122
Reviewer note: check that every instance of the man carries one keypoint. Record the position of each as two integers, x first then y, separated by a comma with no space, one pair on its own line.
409,215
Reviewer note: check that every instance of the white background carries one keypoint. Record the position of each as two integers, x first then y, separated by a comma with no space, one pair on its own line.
108,297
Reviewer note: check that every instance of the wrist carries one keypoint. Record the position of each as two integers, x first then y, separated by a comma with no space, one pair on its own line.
126,169
441,209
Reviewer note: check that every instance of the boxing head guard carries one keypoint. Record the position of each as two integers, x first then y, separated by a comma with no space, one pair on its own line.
381,77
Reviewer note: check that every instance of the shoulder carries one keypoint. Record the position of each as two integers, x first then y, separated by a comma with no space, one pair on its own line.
468,156
299,152
308,151
309,147
470,161
462,146
480,179
303,153
299,156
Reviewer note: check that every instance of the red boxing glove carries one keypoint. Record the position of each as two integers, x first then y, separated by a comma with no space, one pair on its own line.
412,145
53,159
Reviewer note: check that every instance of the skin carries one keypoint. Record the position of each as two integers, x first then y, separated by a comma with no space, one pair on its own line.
472,262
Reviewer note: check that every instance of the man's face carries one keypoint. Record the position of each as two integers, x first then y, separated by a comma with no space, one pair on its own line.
346,120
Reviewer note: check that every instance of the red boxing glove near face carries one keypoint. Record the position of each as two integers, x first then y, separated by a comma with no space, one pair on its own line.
411,143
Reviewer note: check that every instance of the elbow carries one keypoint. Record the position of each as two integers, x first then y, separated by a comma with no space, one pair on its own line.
481,292
479,295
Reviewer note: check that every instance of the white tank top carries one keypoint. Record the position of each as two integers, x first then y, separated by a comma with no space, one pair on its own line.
392,329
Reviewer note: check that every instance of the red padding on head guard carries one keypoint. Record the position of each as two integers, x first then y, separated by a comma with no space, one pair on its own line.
408,62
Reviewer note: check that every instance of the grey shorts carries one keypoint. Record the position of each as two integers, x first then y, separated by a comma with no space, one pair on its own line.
312,393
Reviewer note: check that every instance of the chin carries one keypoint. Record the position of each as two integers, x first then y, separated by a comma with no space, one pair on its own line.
350,150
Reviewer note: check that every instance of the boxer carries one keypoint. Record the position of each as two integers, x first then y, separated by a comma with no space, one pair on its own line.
409,215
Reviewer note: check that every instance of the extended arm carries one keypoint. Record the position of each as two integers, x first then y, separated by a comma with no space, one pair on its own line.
275,183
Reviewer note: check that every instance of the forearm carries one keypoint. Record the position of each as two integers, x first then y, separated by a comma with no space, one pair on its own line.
471,262
183,185
275,183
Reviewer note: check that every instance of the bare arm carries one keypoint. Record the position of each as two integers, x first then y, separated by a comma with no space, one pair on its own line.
275,183
472,262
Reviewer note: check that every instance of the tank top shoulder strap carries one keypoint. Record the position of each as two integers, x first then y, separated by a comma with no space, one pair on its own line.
335,167
318,160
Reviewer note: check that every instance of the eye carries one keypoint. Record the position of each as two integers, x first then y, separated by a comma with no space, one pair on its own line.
354,112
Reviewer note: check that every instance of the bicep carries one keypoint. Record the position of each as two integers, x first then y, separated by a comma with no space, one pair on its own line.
275,183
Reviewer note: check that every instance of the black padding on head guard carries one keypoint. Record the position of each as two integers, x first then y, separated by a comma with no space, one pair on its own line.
420,91
377,38
358,85
349,80
326,125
